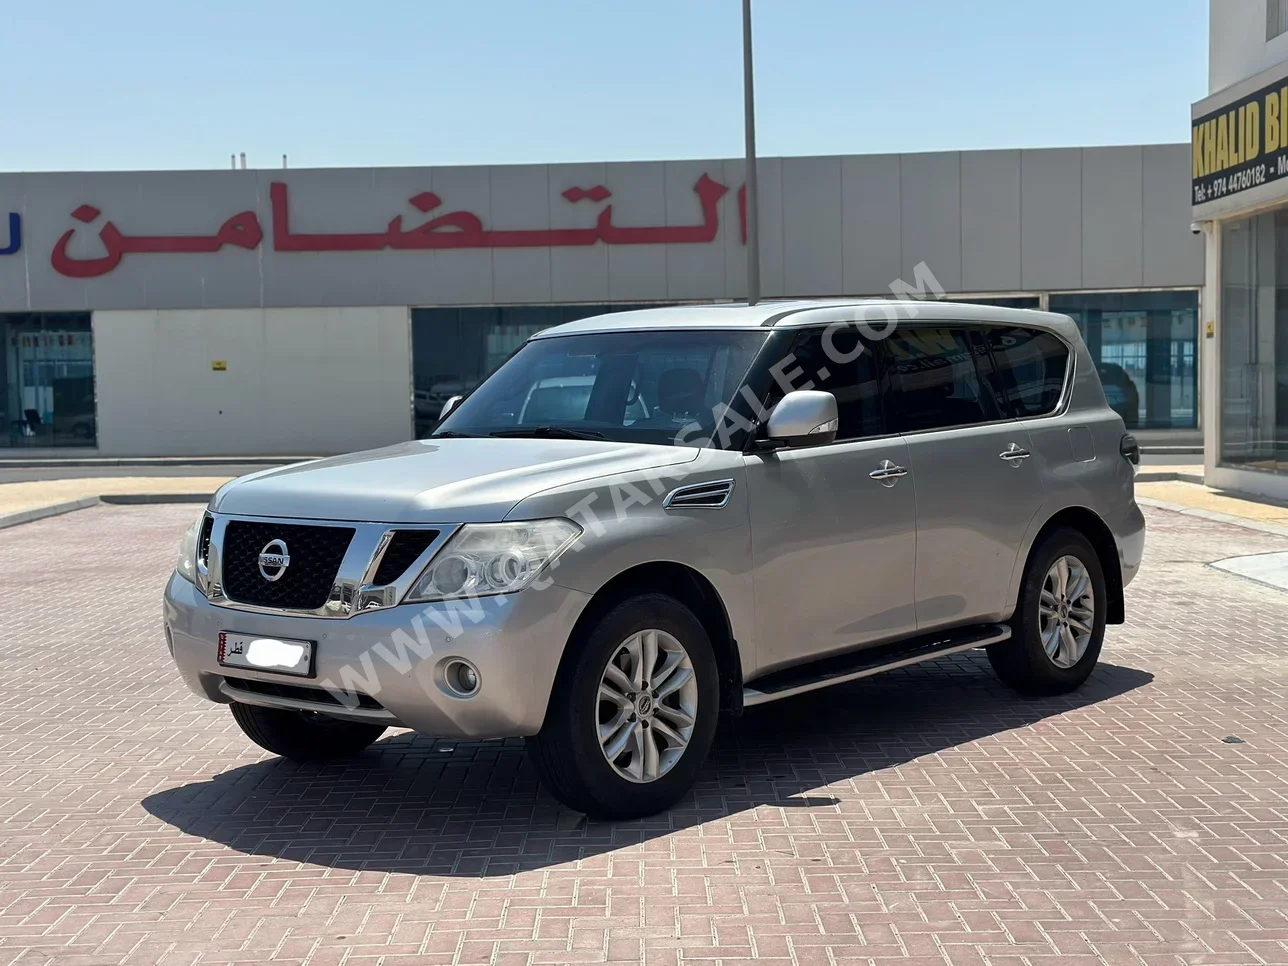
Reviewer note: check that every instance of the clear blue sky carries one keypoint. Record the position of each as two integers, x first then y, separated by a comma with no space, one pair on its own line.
176,84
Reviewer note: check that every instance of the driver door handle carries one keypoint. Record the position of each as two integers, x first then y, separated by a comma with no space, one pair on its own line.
888,473
1014,454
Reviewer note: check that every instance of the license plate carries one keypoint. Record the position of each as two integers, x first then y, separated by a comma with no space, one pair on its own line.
266,654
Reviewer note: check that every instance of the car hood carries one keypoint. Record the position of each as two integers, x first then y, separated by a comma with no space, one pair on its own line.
435,480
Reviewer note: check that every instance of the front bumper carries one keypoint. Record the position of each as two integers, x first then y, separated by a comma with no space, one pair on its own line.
394,656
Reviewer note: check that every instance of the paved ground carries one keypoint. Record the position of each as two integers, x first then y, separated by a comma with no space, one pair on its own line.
1204,498
19,497
923,818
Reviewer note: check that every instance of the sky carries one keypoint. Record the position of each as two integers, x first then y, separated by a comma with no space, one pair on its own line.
159,84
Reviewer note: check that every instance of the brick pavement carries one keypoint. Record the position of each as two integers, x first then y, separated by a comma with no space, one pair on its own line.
928,817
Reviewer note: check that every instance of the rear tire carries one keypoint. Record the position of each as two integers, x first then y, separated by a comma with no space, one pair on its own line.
1059,623
635,679
302,735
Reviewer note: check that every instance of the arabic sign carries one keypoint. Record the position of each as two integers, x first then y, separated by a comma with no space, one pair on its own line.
450,230
1240,143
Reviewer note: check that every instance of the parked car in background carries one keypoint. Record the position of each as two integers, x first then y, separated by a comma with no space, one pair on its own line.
1120,392
644,520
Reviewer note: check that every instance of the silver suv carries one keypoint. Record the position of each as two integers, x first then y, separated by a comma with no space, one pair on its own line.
711,507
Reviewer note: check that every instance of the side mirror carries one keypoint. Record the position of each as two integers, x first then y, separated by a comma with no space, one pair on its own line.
804,418
448,406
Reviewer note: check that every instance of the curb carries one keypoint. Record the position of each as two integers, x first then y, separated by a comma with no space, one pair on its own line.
41,512
137,499
120,499
1170,476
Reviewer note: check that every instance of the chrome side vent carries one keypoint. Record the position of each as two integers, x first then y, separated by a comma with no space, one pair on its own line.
711,495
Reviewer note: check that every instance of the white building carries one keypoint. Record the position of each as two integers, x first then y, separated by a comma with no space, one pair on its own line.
1239,192
317,311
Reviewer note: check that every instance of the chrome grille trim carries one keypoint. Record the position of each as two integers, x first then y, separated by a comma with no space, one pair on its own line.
352,591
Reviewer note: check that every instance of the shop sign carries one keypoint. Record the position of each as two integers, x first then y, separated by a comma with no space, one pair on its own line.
1241,145
427,229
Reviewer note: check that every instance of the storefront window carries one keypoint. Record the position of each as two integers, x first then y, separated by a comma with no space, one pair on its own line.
47,381
453,349
1254,342
1145,348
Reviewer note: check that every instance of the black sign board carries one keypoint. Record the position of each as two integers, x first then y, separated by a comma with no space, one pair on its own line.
1241,145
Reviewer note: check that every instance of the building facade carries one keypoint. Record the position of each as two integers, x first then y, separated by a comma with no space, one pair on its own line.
312,311
1239,198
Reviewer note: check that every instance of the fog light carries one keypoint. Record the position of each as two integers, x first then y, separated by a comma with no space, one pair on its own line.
461,678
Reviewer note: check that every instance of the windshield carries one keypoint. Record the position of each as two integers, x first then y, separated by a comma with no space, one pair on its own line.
640,387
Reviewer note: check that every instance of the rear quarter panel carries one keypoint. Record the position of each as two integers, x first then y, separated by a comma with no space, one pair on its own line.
1079,464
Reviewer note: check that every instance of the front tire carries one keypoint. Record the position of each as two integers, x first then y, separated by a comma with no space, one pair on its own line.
633,711
1059,623
303,735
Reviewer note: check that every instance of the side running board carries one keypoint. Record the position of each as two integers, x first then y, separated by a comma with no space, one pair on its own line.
862,664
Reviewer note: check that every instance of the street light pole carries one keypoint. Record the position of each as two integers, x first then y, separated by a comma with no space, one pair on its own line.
749,126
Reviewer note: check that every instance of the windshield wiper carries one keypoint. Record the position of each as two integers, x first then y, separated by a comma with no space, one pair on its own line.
451,435
550,432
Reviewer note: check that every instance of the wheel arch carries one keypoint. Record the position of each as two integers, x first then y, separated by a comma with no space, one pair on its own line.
1090,525
691,588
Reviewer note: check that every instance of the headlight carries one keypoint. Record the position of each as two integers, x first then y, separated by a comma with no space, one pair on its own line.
493,558
187,565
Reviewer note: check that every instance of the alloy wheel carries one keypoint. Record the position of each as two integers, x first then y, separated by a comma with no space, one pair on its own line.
648,702
1066,612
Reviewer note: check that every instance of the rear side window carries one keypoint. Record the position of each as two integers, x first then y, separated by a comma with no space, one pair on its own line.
1030,368
934,380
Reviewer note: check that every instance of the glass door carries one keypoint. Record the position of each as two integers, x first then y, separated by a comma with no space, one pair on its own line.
47,384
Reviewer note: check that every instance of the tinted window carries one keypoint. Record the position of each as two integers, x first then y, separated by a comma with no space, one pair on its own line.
828,361
1030,369
934,382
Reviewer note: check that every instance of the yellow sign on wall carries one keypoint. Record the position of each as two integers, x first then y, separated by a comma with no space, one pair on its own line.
219,365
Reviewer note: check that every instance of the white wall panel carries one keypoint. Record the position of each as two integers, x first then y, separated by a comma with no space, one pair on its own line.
1051,218
991,221
1173,255
930,216
638,272
577,274
298,381
521,199
1112,218
698,271
871,239
812,237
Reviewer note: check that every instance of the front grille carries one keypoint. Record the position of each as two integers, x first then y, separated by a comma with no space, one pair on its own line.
297,693
401,553
315,554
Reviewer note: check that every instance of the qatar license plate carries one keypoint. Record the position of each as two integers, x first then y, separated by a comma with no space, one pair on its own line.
275,654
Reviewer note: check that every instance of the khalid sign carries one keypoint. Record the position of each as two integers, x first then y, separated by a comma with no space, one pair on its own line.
1239,144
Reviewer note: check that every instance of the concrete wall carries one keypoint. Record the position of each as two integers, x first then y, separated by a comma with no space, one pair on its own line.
1237,46
989,221
298,381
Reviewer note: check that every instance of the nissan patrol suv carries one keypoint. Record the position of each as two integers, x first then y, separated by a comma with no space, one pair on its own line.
646,519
